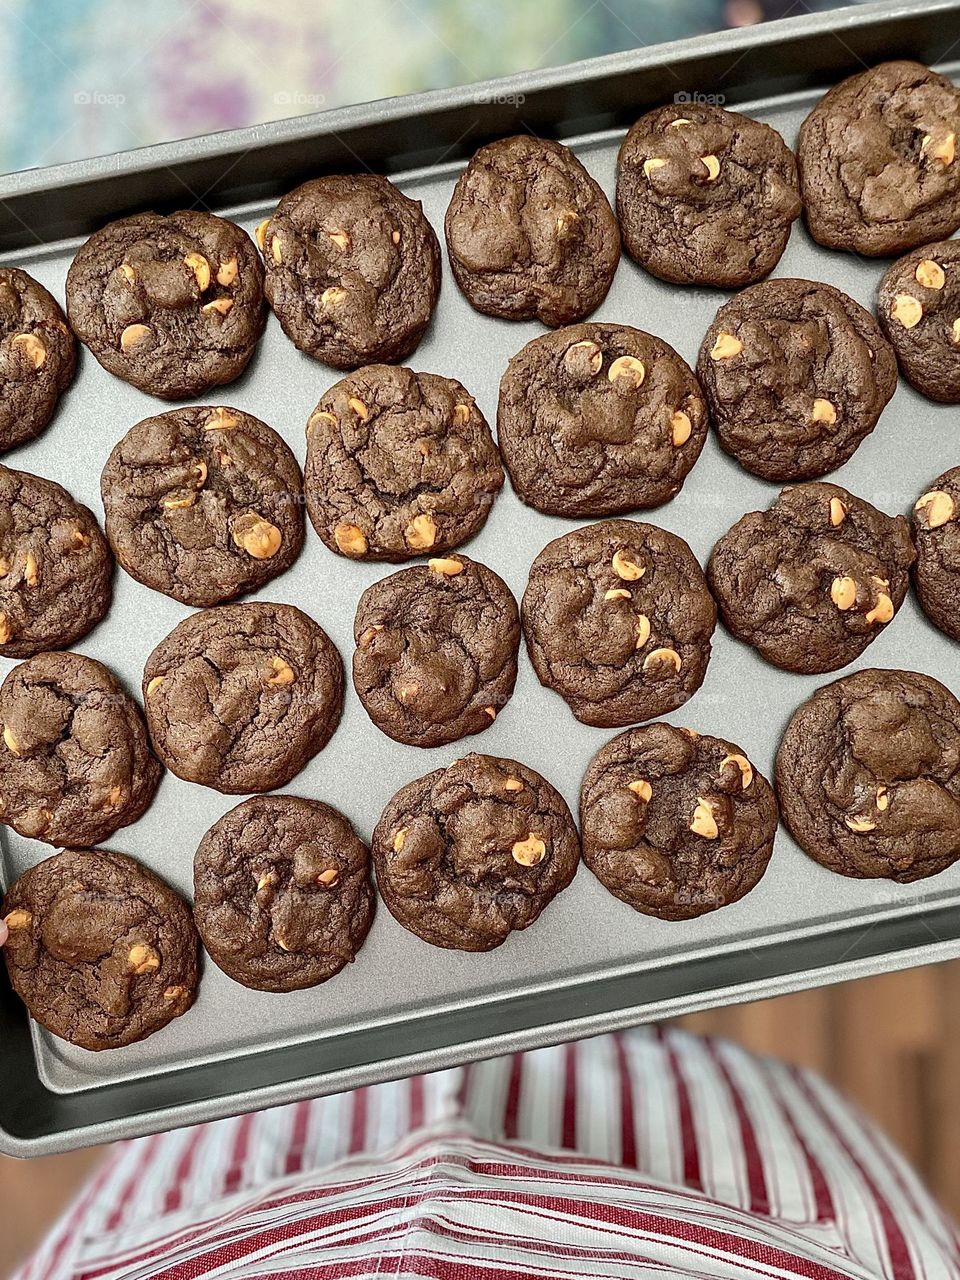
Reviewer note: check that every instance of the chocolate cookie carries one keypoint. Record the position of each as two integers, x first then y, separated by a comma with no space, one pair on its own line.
598,419
706,196
239,698
172,304
813,580
676,824
878,166
203,504
56,570
919,310
436,655
282,893
469,853
38,357
936,532
530,233
398,464
101,951
868,775
796,375
352,269
75,764
618,618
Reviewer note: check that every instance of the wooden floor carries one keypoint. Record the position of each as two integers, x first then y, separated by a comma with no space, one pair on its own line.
891,1043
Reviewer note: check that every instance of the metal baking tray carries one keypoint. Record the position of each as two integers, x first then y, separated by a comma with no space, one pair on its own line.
590,963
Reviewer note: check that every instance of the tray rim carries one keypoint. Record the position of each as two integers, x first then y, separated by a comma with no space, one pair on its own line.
857,960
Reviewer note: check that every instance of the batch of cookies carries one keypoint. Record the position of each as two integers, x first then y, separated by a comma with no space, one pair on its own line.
595,420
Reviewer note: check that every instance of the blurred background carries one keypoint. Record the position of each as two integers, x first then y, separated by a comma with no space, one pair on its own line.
87,77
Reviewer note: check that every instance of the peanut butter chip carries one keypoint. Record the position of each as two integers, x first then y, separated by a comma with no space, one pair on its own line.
860,825
446,566
583,352
258,537
824,411
906,310
679,123
743,764
680,428
154,685
883,799
142,959
341,239
712,166
726,347
32,347
955,330
421,533
461,414
227,272
175,993
628,367
359,408
219,307
260,235
328,878
333,296
127,272
642,789
942,150
134,335
395,237
513,784
18,920
367,637
703,823
221,420
283,673
567,221
276,250
930,274
843,593
399,839
113,797
937,508
626,568
618,593
882,611
652,165
10,741
31,574
179,504
491,712
838,512
643,630
350,539
321,416
200,471
200,267
663,658
529,852
6,631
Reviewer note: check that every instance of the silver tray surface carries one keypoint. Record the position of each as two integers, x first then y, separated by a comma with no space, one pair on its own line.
590,963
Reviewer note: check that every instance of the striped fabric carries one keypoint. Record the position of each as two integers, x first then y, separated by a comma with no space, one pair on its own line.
651,1153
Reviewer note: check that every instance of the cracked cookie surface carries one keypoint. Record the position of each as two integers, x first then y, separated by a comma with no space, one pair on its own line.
530,233
56,570
467,854
436,655
352,269
101,951
878,166
75,761
240,697
674,823
618,619
868,776
203,504
706,196
282,892
796,375
812,581
599,419
936,533
399,464
919,310
172,304
38,357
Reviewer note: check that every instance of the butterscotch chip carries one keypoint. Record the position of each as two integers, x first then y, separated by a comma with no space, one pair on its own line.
32,347
930,274
742,764
341,239
883,611
320,903
282,673
399,441
824,411
652,165
18,920
838,511
584,354
699,838
350,539
446,566
936,508
276,249
261,234
626,568
725,347
680,428
111,953
843,592
398,840
907,310
335,296
229,523
452,885
617,593
712,166
628,368
147,295
643,630
663,657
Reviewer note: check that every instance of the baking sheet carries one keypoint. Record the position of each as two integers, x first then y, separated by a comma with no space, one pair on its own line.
586,935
